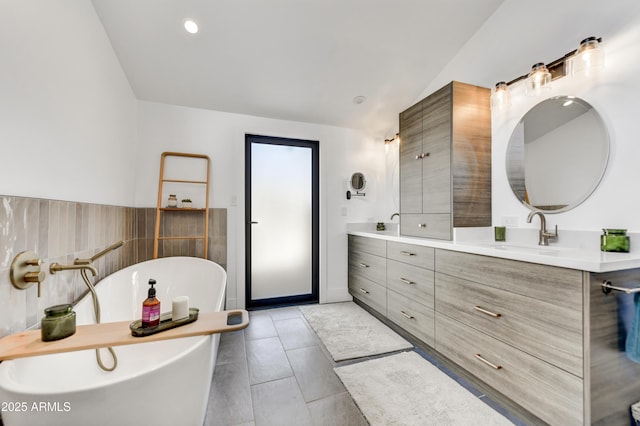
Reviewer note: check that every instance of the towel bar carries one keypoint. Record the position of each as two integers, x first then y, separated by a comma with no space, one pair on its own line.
607,287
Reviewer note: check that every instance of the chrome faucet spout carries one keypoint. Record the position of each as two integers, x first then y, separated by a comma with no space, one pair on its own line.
544,235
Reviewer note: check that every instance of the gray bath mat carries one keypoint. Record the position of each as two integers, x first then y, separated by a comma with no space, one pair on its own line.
406,389
348,331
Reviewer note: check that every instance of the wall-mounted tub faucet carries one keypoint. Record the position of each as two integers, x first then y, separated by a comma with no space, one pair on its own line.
56,267
544,236
85,265
394,215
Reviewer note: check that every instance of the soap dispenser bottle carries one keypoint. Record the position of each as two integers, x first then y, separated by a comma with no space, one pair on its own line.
151,308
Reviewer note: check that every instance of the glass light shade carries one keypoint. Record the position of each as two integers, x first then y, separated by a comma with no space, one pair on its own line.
500,96
588,58
538,79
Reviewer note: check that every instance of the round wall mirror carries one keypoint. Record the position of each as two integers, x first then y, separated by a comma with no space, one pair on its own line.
358,181
557,154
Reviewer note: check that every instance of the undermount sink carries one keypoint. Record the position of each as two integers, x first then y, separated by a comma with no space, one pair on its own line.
533,249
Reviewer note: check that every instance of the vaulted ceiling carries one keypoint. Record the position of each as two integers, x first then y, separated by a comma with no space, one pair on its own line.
300,60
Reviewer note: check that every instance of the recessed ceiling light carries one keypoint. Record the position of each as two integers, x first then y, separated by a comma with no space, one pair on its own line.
358,100
190,26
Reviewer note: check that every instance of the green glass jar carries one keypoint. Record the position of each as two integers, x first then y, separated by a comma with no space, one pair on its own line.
615,240
59,322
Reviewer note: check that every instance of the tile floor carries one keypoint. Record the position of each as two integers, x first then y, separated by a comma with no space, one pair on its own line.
277,372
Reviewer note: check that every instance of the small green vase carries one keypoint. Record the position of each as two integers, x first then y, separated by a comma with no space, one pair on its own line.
59,322
615,240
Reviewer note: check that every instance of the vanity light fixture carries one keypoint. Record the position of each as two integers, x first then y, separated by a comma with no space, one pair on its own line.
538,79
500,96
390,141
588,57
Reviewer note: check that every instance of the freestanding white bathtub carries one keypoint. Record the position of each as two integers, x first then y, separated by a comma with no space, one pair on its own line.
157,383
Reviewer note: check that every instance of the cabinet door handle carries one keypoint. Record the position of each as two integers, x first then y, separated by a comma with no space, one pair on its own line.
489,363
421,156
406,315
422,225
407,253
362,290
364,265
406,281
484,311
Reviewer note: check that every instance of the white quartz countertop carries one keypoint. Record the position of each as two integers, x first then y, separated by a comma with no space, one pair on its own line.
583,256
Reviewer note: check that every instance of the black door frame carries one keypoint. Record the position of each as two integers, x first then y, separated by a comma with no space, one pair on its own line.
315,222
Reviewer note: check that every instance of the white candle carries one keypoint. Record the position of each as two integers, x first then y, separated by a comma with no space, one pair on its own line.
180,308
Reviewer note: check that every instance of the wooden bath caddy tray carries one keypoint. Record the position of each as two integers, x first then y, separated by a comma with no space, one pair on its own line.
29,343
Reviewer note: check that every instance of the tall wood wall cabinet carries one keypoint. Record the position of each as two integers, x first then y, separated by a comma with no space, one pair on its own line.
445,162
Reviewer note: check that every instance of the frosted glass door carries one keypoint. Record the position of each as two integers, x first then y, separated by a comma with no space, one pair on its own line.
281,221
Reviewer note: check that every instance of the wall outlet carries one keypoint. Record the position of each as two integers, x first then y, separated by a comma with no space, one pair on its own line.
510,220
234,200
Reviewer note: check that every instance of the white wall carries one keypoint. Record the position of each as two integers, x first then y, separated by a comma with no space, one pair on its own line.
516,37
67,112
221,136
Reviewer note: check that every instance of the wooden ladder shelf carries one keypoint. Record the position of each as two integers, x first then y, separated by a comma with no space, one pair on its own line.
160,209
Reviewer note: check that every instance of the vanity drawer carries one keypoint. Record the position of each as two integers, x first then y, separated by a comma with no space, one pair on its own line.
368,245
559,286
369,292
550,393
547,331
412,316
368,266
433,225
411,281
421,256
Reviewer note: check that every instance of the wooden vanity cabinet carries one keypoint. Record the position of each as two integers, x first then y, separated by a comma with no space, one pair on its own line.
517,326
410,289
544,337
397,281
445,162
368,271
